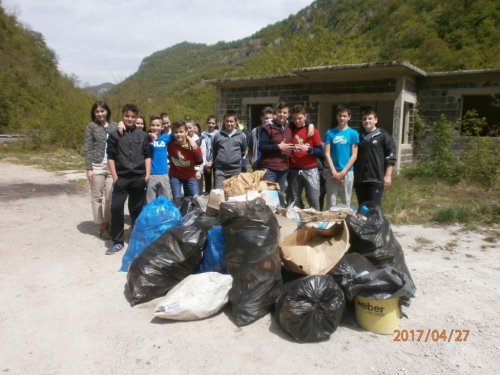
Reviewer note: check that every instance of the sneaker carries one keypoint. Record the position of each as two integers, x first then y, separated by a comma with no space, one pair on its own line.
114,249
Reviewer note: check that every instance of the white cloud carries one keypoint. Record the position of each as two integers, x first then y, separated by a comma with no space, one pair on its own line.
106,40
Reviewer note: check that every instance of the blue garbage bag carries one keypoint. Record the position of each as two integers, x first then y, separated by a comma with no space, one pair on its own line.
154,220
213,254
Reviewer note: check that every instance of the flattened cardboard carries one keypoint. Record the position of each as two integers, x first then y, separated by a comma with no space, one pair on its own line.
299,256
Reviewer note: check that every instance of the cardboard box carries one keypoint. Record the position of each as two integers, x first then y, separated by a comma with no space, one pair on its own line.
216,196
312,251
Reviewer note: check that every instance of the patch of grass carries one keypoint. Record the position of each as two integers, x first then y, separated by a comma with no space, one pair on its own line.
470,256
484,247
422,240
447,258
425,200
454,214
469,228
490,239
452,243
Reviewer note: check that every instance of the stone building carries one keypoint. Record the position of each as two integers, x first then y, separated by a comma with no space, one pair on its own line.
393,89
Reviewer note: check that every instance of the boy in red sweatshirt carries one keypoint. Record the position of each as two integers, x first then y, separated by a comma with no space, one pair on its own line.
303,172
182,159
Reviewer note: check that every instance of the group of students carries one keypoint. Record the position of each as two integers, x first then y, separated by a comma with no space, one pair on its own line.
293,154
124,160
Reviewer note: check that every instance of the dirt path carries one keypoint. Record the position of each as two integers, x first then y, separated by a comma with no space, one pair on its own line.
62,308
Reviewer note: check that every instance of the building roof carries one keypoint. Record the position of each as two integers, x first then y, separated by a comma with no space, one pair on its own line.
382,69
463,72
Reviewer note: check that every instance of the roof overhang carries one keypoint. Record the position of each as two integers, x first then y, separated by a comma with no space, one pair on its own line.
332,73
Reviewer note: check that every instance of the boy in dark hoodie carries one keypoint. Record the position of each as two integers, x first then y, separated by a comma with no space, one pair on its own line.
228,149
374,164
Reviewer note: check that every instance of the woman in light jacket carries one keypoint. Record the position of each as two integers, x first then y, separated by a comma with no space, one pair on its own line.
96,161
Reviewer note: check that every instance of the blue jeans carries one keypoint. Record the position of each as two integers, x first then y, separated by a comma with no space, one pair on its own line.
273,175
190,187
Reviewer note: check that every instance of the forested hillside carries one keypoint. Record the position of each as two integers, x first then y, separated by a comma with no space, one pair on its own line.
434,35
35,98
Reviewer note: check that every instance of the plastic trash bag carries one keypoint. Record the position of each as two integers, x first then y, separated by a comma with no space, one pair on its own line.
154,219
357,276
350,266
205,222
195,297
375,240
175,255
186,205
310,309
251,234
213,254
191,217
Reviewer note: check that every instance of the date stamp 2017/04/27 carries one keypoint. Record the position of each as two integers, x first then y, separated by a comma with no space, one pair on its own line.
431,335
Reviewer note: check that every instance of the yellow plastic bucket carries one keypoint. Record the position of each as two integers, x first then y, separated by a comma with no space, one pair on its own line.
377,316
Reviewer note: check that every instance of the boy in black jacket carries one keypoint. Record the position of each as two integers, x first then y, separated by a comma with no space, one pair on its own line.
375,161
129,162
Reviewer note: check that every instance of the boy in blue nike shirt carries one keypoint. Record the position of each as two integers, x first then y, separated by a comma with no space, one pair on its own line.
159,183
341,150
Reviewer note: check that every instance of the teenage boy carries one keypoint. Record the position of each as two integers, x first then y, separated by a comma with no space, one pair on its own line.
159,183
129,162
341,149
303,171
375,161
266,117
228,148
184,163
276,146
208,135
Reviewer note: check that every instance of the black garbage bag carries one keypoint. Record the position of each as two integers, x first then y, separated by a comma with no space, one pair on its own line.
175,255
350,266
191,217
206,223
375,239
310,309
386,283
251,234
357,276
186,205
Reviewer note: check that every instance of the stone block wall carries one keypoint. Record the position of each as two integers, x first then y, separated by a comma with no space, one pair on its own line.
232,98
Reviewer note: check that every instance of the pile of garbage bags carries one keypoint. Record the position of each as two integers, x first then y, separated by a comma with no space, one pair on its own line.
200,263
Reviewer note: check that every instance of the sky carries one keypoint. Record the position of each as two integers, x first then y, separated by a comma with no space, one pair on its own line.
105,40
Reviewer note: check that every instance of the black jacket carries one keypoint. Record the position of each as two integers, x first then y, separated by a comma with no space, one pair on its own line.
376,150
129,152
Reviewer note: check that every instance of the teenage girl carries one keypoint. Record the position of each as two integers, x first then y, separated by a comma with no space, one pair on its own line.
96,161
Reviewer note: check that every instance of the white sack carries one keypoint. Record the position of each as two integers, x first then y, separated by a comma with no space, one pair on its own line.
196,297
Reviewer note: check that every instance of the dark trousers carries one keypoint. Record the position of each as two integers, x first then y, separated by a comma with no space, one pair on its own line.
208,179
135,190
366,191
